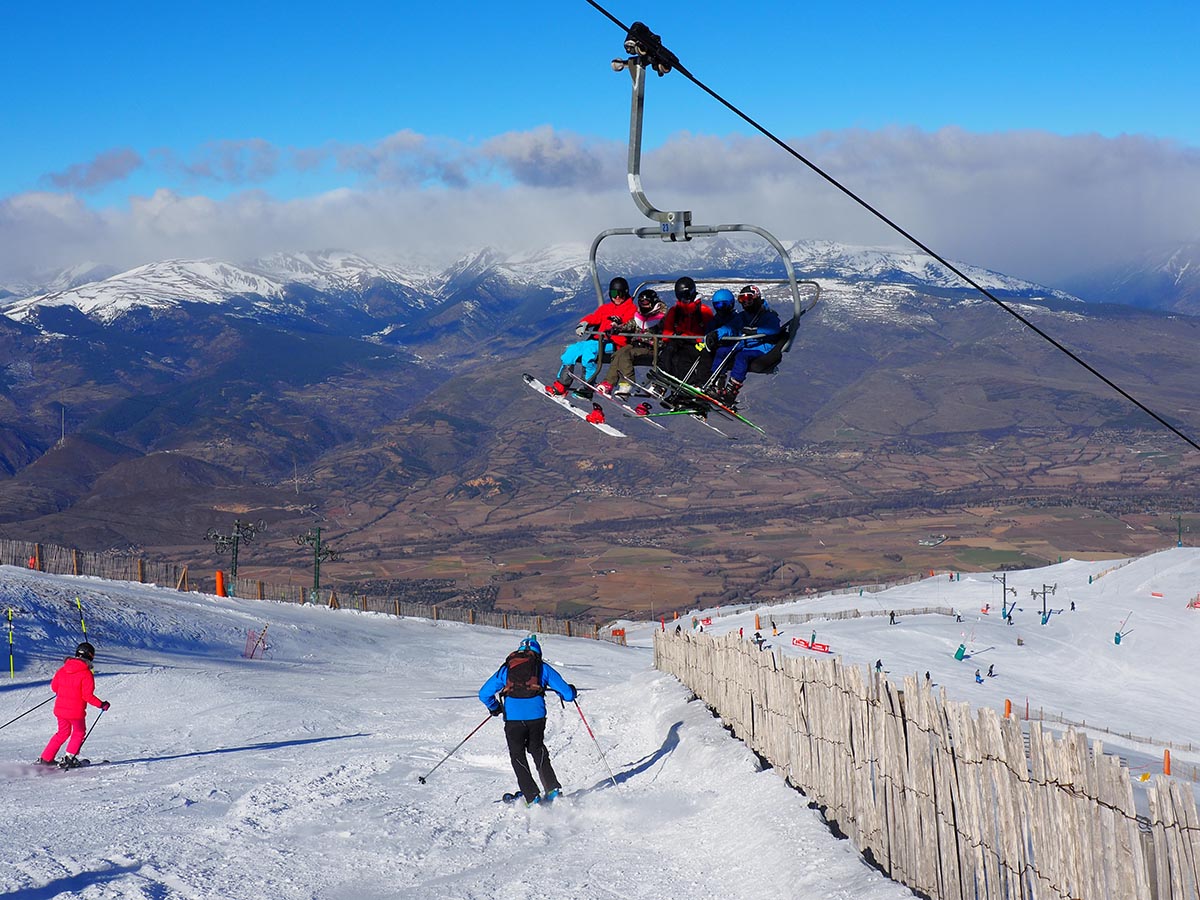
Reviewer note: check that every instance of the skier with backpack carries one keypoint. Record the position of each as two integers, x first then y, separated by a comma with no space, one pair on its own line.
517,690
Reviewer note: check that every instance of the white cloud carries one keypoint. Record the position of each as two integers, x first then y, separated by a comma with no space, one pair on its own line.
1032,204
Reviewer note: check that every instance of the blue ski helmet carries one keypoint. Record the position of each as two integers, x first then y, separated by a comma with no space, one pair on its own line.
722,300
531,643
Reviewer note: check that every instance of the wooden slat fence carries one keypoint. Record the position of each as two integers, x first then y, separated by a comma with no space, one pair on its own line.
839,614
947,800
67,561
118,567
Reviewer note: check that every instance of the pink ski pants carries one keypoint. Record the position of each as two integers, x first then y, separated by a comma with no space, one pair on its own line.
75,729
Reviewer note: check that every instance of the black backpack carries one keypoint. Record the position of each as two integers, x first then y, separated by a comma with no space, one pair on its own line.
524,671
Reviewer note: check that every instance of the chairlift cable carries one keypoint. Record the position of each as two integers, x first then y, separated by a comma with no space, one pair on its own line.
910,237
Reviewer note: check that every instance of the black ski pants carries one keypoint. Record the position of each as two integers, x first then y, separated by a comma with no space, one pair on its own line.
526,739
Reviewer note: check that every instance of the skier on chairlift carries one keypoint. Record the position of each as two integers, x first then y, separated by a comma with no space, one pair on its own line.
687,318
723,309
760,327
637,351
598,333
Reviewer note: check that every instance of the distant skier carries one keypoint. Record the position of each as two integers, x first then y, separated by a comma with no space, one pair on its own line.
892,617
978,677
74,687
879,667
759,640
992,671
518,690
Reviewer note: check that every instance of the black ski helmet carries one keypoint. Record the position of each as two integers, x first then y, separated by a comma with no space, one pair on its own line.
85,651
647,298
685,289
618,287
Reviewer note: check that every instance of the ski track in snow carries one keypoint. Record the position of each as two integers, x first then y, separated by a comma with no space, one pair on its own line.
296,776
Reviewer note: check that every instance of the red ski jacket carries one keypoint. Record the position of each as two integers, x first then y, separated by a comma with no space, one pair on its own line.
603,317
691,319
74,687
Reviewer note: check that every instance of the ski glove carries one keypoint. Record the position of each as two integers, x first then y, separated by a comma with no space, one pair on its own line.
496,710
104,706
711,340
581,329
574,690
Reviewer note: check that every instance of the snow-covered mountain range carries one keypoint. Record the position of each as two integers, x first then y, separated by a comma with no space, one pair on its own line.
560,271
1164,278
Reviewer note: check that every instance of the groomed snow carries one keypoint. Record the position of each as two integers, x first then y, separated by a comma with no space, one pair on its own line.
296,776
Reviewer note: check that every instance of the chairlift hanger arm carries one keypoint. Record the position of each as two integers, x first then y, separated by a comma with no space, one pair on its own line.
648,53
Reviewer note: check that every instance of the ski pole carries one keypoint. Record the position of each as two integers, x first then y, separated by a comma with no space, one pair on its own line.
421,778
28,711
88,733
597,743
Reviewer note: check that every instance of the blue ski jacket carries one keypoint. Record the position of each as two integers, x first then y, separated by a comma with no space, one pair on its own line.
764,325
522,709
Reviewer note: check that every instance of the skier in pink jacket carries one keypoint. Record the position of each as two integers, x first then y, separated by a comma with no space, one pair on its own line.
74,687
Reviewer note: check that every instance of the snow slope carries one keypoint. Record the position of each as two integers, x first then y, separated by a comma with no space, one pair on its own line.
296,776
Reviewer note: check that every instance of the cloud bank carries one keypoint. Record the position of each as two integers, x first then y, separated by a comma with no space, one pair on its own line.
1031,204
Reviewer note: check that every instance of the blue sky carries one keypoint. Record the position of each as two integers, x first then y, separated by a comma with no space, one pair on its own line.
114,113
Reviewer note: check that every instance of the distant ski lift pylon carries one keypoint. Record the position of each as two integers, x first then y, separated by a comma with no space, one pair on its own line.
647,53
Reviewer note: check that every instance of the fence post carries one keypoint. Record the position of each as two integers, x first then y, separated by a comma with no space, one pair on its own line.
75,562
1166,762
470,616
539,625
568,628
39,564
141,569
435,613
182,583
504,625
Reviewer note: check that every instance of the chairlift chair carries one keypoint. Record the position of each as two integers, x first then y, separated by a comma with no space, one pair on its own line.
647,53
